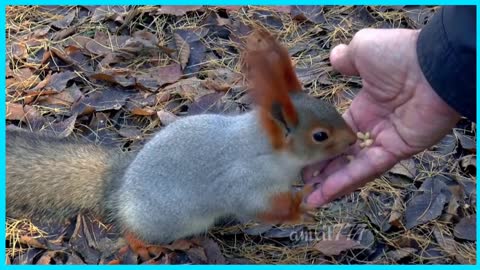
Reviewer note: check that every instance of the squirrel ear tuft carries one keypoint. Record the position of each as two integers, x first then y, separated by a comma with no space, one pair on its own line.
271,79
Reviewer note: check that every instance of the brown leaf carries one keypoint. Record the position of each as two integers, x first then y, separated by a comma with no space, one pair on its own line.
115,13
119,76
64,33
97,48
181,244
467,142
401,253
197,255
397,212
336,246
142,111
65,128
212,251
166,117
312,14
41,32
19,50
449,245
59,80
65,21
130,133
188,88
469,161
183,50
466,228
177,10
45,259
15,111
427,204
197,48
406,168
24,78
107,99
156,77
31,242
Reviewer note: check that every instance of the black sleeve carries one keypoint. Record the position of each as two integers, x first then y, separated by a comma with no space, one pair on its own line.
446,49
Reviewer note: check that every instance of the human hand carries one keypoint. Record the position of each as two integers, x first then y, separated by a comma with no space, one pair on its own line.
396,105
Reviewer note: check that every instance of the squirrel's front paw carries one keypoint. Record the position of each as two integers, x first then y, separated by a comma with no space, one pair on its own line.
289,208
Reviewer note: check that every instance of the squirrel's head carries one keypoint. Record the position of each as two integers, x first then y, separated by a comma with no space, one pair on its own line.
309,128
320,133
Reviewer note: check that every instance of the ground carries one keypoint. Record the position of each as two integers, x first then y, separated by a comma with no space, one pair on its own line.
114,75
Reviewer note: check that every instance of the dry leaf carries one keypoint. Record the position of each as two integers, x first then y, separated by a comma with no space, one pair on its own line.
337,246
15,111
466,228
177,10
406,168
166,117
183,50
65,21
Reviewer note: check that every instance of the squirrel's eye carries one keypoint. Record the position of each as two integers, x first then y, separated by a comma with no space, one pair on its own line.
320,136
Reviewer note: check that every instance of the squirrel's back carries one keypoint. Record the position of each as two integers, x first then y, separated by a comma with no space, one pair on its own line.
49,177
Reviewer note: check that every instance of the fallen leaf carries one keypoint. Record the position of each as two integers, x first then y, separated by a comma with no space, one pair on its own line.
188,88
130,133
336,246
183,50
15,111
28,257
466,228
177,10
65,21
209,103
19,50
166,117
312,14
31,242
467,142
212,251
197,255
146,111
447,145
196,47
399,254
258,229
396,214
122,77
65,128
57,36
45,259
405,168
286,232
115,13
449,245
58,81
427,204
156,77
101,100
180,244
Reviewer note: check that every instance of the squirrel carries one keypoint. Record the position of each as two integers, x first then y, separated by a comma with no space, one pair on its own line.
195,170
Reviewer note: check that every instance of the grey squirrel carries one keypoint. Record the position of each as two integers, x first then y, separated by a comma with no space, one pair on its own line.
195,170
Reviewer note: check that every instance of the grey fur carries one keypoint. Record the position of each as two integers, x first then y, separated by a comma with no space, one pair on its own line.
193,172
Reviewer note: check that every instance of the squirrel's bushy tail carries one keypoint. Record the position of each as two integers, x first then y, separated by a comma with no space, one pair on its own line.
51,178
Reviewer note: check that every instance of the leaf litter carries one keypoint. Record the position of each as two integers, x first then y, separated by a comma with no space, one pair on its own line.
115,75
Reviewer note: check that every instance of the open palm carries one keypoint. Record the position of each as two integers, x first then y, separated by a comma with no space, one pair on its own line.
396,105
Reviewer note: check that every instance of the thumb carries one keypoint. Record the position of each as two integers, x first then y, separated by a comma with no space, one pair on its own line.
342,60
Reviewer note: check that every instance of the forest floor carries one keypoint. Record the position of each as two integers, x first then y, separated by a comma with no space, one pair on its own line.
115,75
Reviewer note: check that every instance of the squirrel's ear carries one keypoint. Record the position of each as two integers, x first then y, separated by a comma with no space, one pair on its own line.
271,79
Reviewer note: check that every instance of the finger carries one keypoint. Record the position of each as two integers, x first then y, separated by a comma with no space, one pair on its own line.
342,60
368,164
